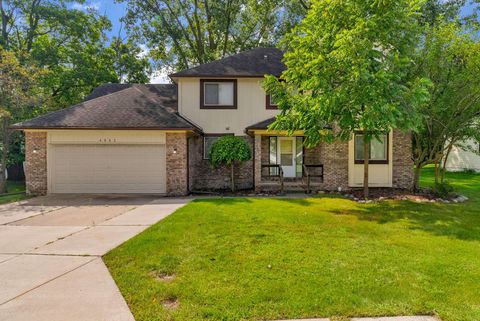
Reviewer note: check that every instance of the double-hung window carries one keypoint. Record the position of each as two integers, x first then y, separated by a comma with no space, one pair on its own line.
378,149
208,141
270,102
218,94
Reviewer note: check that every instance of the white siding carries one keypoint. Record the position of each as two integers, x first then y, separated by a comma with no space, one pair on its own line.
380,175
461,159
250,109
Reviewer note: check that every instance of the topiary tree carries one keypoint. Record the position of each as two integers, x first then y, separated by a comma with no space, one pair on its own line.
230,150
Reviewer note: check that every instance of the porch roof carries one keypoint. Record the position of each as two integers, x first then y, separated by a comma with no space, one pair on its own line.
264,124
261,125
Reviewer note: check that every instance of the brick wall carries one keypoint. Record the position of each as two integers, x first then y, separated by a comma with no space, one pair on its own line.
402,159
177,164
36,163
335,164
203,177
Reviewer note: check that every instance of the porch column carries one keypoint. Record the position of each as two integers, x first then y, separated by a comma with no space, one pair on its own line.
177,164
257,145
36,163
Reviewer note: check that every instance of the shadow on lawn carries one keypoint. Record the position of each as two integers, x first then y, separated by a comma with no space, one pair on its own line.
452,220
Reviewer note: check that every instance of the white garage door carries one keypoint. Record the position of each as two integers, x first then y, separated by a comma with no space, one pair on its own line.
107,169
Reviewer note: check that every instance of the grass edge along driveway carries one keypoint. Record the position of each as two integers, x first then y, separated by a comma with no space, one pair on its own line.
266,259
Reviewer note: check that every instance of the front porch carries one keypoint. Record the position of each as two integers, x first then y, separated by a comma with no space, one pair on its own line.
283,163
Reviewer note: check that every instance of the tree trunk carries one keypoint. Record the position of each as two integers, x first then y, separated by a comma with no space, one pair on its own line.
445,159
366,158
436,176
4,156
232,177
416,177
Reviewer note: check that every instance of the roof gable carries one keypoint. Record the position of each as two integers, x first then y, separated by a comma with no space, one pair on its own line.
253,63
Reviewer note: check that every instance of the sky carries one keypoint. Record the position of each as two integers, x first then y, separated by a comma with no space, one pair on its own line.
115,11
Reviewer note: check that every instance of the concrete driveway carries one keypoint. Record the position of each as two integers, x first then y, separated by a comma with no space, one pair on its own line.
50,254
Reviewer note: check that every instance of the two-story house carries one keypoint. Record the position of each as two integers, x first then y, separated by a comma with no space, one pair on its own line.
127,138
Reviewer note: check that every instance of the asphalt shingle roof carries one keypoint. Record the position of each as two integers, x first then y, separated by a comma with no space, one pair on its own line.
253,63
262,125
114,106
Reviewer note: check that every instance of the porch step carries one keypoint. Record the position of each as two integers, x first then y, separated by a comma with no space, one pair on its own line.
290,186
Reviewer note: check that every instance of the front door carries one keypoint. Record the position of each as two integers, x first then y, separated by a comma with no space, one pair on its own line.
286,151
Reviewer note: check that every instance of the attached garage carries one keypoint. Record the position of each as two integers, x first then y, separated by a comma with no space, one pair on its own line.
122,139
106,162
108,169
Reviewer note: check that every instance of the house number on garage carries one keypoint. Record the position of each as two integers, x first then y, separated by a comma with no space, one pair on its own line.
107,140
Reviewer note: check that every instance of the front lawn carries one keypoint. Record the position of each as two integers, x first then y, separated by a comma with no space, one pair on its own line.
16,192
264,259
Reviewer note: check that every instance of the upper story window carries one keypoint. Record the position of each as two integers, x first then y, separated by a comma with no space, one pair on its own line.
270,102
378,149
218,93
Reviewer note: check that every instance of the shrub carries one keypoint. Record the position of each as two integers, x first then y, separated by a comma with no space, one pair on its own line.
469,171
230,150
444,189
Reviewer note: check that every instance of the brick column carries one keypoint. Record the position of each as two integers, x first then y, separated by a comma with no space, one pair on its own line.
335,165
257,146
402,159
36,163
177,164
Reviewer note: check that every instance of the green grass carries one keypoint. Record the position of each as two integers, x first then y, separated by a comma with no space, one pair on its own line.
329,257
16,192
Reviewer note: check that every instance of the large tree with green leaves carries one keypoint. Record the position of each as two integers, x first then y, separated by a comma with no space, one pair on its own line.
18,94
450,57
183,33
71,45
347,66
435,11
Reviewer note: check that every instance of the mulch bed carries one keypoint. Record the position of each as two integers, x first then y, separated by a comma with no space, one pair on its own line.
393,194
422,196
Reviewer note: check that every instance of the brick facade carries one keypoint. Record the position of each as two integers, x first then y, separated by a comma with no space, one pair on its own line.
402,159
335,164
203,177
36,163
177,164
188,171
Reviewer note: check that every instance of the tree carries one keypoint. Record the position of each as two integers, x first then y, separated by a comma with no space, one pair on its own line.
130,62
435,11
347,65
450,57
71,45
194,32
229,151
16,96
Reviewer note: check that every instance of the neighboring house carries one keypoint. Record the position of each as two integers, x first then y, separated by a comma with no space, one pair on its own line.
156,139
465,158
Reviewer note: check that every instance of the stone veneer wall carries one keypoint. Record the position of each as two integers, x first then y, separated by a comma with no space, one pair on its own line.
402,159
36,163
205,178
177,164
